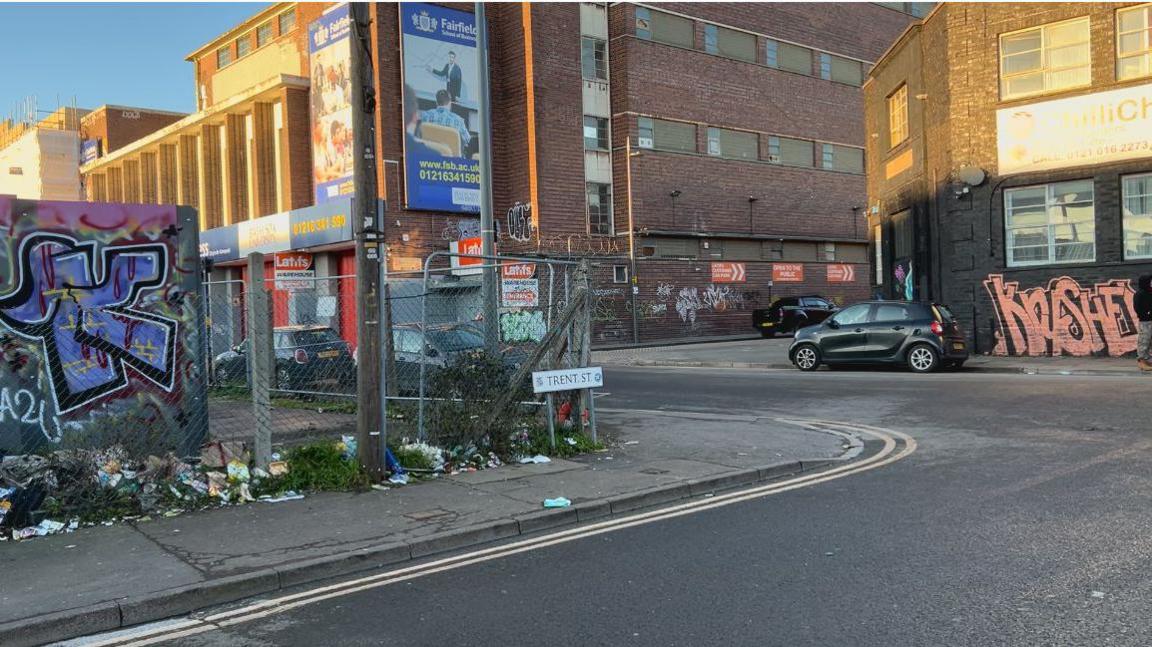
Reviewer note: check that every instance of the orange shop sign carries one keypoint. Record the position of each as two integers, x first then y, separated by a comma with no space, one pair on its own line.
729,273
462,265
293,271
841,273
787,272
518,270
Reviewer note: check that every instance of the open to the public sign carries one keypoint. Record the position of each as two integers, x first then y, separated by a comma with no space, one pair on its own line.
567,379
788,272
293,271
729,273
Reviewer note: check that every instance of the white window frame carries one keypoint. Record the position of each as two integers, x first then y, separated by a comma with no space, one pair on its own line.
616,273
597,68
898,117
1051,201
1127,214
1044,68
1146,53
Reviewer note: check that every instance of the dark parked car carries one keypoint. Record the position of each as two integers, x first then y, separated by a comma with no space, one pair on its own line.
924,336
788,314
441,346
308,358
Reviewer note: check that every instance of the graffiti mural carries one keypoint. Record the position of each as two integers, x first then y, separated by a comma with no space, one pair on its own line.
98,319
1064,318
522,326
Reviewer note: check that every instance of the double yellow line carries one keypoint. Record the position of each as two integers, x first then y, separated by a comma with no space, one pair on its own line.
896,446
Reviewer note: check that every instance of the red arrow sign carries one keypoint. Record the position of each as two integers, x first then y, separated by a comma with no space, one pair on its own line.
841,273
729,273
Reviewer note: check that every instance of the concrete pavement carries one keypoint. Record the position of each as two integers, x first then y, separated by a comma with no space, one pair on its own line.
106,577
773,354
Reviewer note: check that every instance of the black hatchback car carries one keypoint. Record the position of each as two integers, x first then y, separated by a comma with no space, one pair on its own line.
308,358
788,314
924,336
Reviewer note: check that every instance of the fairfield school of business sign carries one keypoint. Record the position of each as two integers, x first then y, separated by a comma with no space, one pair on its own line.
1091,129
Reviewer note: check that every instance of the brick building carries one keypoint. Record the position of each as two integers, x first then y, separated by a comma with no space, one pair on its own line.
743,120
39,156
1009,171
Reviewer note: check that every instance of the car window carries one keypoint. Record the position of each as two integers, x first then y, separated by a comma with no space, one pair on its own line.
281,340
853,315
943,313
455,340
406,341
816,303
316,336
892,312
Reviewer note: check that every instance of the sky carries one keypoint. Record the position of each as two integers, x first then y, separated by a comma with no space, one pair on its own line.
115,53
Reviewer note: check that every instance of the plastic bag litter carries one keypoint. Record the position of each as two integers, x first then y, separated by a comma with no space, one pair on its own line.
558,502
238,472
538,458
278,468
398,479
287,496
221,452
348,447
48,527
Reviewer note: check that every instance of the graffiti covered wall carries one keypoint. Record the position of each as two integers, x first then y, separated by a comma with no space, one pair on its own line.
99,326
1063,318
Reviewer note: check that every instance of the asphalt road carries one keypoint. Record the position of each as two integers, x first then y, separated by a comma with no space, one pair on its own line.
1022,519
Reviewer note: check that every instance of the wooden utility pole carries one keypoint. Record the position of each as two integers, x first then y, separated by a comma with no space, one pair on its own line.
369,244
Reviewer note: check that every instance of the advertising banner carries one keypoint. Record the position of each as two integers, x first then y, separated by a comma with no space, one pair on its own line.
89,151
518,270
788,272
330,62
441,108
1090,129
729,273
324,224
462,265
519,293
294,271
265,235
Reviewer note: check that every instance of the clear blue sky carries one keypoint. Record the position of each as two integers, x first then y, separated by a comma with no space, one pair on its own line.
122,54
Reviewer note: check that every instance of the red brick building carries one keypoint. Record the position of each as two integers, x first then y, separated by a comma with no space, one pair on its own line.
744,122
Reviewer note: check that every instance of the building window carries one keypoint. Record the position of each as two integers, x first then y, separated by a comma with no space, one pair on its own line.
600,208
878,250
842,158
667,135
1133,49
1138,216
733,144
619,273
223,56
790,152
829,251
842,70
645,135
243,45
263,34
826,66
594,59
898,116
1045,59
729,42
595,133
1051,223
664,27
785,56
287,22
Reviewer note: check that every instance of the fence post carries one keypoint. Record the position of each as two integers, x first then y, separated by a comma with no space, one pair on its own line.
261,357
584,333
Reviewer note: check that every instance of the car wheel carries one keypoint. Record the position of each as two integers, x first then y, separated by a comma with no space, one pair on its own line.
806,357
767,334
922,358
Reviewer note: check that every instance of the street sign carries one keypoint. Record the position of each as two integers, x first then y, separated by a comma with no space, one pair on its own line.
841,273
788,272
567,379
729,273
293,271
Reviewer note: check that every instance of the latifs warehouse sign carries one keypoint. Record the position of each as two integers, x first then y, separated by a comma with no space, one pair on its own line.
1079,131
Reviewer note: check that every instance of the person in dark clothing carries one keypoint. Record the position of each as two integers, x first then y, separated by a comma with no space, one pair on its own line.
452,76
1142,304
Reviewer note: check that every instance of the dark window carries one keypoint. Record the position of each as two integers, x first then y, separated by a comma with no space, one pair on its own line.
730,43
673,136
664,27
599,208
223,56
902,235
619,273
792,58
790,152
243,45
317,336
287,21
451,341
594,59
733,144
595,133
263,34
842,158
